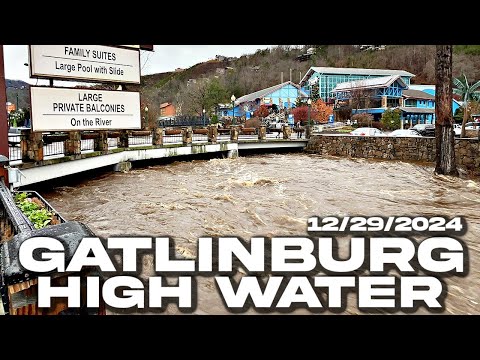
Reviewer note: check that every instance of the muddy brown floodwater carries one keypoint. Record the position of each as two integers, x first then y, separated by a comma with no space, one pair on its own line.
270,195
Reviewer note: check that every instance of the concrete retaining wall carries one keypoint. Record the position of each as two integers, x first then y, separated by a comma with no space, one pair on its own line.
395,148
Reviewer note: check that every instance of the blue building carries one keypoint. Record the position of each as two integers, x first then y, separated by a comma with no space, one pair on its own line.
418,107
372,96
430,89
284,96
225,110
327,78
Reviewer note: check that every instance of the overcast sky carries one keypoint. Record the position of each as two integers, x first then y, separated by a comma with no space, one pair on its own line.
164,58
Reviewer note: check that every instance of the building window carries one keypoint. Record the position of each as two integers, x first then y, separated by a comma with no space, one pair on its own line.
392,102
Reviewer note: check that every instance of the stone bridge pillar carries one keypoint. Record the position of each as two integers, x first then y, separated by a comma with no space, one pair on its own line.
158,136
212,133
73,145
187,136
262,132
101,142
308,131
234,133
31,145
287,131
123,140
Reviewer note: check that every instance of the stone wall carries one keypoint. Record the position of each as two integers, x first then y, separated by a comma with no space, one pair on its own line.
395,148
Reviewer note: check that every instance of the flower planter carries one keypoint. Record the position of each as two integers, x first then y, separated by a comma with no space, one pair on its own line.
36,209
249,131
173,132
141,133
200,131
88,136
48,139
114,134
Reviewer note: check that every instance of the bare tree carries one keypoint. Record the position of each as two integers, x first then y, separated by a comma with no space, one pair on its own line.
444,135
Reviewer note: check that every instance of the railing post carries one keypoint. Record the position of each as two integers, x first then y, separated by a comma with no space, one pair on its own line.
212,134
123,140
101,142
287,131
158,136
234,133
262,132
73,145
187,136
31,144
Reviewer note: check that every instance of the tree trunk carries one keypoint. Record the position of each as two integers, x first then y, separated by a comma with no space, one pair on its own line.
444,135
465,116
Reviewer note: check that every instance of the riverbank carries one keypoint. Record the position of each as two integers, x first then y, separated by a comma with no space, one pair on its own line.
416,149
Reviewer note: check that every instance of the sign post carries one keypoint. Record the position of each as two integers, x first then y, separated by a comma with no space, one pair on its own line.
3,119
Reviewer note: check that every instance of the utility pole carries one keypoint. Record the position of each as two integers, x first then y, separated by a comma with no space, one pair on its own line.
3,119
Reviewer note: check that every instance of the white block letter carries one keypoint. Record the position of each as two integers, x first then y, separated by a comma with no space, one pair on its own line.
409,294
46,292
452,261
163,262
357,255
56,260
131,298
100,257
378,257
129,246
280,254
183,291
366,291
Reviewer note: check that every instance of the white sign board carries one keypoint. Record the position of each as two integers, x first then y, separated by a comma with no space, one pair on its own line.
85,62
66,109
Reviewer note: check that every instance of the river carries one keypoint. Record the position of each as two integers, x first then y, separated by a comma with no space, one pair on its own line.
270,195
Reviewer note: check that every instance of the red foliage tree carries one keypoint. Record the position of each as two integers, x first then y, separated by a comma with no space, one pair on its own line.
301,114
261,112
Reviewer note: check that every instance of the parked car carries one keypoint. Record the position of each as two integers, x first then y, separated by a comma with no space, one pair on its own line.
472,126
365,131
405,133
425,129
457,129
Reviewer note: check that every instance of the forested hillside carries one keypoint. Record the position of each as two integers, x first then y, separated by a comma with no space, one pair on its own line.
212,82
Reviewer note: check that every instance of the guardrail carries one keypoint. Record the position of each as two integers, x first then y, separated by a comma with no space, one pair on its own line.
33,147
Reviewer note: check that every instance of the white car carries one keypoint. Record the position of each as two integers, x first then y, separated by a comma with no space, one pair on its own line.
457,129
365,131
405,133
472,126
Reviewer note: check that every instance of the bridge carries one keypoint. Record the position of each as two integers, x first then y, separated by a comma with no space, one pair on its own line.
37,157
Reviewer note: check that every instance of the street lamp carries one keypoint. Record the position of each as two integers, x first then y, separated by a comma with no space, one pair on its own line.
309,102
233,109
203,117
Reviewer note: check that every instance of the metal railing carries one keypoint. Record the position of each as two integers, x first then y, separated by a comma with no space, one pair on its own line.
172,136
14,147
113,142
87,145
200,135
54,144
140,140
